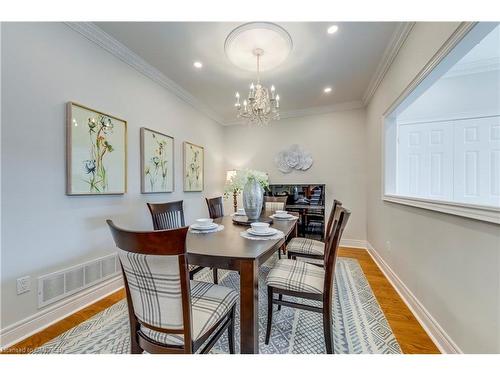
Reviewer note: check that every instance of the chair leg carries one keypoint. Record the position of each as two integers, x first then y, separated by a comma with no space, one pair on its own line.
327,328
230,330
216,277
134,345
269,313
280,297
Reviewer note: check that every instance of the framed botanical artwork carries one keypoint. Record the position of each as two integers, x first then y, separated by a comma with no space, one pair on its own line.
96,152
157,162
193,167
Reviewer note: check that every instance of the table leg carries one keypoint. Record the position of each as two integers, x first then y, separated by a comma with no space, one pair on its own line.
249,307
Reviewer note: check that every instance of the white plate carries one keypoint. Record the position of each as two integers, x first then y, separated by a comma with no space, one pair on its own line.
270,232
204,227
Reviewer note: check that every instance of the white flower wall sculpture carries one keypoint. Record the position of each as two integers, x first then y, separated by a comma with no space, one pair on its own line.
293,158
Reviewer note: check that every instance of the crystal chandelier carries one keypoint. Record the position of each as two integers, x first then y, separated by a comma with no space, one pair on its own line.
260,107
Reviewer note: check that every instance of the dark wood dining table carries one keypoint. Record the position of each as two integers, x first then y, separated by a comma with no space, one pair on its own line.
226,249
302,210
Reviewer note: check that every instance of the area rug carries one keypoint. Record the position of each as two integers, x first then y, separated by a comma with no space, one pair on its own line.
359,325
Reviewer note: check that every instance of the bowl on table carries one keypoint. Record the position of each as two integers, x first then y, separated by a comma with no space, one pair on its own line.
204,222
260,227
282,214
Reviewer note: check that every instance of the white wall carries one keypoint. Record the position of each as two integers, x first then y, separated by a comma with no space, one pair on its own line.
337,143
457,97
450,263
44,65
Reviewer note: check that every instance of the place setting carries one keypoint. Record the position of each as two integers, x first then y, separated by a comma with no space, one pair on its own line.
283,215
262,231
205,225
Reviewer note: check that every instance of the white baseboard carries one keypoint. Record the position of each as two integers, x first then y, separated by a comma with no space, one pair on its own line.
437,334
358,244
53,313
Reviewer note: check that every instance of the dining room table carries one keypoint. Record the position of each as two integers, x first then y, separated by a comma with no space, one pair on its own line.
303,210
227,249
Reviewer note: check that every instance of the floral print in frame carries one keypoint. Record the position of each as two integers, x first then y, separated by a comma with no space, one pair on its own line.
193,167
96,149
157,162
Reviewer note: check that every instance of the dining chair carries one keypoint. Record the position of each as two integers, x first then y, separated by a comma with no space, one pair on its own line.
215,207
309,248
294,278
168,313
275,203
170,215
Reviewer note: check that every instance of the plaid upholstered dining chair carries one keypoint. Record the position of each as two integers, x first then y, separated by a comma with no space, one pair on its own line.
307,247
294,278
170,215
273,204
168,313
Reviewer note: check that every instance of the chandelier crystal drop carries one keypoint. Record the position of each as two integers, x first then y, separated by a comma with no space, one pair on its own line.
262,105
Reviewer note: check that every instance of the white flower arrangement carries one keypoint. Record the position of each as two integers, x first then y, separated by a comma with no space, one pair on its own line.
241,177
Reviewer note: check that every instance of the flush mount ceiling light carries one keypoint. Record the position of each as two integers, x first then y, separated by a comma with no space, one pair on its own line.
264,46
198,65
327,90
332,29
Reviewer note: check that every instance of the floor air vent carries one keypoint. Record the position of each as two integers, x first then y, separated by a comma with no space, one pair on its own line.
58,285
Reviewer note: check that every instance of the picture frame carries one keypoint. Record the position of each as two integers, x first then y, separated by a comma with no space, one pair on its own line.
157,162
96,152
193,167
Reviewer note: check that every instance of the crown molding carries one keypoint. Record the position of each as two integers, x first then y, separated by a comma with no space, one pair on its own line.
398,38
107,42
338,107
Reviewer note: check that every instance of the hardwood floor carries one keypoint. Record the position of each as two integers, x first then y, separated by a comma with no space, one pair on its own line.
29,344
411,336
409,333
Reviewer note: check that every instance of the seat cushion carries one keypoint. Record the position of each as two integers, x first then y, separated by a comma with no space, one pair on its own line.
209,303
306,246
296,276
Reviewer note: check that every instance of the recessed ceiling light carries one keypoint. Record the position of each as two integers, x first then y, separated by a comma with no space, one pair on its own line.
332,29
198,65
327,90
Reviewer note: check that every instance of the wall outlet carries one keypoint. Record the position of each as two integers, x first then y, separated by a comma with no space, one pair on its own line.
388,246
23,284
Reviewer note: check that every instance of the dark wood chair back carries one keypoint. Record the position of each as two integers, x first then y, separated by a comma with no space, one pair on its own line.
331,248
275,203
336,205
168,215
215,207
155,271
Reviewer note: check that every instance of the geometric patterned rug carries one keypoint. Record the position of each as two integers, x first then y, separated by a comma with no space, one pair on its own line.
359,325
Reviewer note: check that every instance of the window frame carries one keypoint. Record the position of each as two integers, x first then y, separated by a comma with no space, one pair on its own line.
477,212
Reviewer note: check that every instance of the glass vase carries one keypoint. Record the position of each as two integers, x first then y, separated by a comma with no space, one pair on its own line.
253,197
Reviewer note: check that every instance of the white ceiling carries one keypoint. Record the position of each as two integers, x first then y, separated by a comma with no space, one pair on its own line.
347,61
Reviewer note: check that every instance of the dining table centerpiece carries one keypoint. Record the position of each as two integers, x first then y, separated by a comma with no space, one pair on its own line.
252,183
